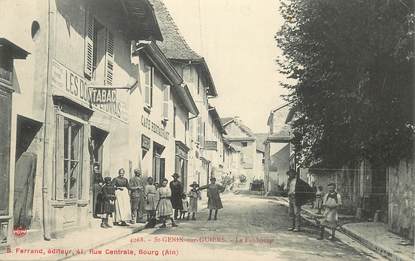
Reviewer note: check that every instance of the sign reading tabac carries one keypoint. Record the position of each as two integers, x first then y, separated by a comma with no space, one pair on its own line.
103,95
76,86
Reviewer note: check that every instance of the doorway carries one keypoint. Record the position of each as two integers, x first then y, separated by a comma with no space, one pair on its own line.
25,171
159,163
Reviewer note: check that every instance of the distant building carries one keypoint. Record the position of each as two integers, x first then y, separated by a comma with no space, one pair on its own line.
243,139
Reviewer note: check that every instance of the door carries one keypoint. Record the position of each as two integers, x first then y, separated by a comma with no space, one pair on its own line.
5,137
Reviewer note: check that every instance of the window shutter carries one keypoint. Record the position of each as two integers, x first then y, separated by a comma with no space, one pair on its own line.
147,72
151,85
89,45
58,176
109,58
166,98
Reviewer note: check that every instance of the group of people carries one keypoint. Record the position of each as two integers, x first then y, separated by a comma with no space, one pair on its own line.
300,193
124,199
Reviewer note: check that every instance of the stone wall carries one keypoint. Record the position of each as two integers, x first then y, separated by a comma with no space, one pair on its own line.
401,207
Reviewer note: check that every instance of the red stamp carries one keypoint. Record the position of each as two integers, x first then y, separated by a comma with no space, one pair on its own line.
20,231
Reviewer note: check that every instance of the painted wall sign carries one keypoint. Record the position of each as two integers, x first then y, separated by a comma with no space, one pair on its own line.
77,87
211,145
103,95
145,142
150,125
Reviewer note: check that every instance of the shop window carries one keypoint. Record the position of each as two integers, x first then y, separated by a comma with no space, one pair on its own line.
69,155
72,158
148,86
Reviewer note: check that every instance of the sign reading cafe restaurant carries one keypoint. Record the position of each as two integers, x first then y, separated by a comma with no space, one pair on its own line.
103,99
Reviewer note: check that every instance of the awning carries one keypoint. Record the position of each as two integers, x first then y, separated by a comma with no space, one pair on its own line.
16,51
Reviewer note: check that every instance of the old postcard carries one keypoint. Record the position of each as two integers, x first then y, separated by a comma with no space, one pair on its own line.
207,130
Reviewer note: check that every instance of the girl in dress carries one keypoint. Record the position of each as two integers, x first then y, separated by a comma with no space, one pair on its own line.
331,202
150,196
194,196
107,205
214,201
185,208
164,206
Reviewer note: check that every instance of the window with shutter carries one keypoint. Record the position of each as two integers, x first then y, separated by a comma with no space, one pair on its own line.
166,98
89,45
109,58
148,85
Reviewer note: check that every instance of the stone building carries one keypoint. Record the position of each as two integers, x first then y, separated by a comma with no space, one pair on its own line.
196,75
242,138
60,127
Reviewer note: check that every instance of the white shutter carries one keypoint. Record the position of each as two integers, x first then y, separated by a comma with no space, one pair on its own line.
199,130
89,45
109,58
147,72
151,85
166,98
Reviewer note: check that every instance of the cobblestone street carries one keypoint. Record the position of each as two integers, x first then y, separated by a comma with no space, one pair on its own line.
248,228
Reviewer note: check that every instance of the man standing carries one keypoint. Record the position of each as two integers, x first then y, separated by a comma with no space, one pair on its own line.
176,188
299,193
136,187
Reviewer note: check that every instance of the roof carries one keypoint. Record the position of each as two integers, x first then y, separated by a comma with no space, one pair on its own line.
260,141
138,20
225,121
175,47
154,54
16,51
216,119
284,135
273,111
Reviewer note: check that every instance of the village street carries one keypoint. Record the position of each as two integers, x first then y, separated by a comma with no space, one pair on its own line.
258,224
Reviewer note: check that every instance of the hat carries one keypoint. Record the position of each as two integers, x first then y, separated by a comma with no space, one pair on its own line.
194,184
175,175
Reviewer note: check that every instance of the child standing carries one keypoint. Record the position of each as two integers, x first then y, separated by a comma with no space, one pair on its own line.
319,199
185,208
213,193
164,205
108,201
331,202
194,196
150,196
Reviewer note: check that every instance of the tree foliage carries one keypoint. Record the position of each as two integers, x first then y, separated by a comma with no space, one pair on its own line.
352,64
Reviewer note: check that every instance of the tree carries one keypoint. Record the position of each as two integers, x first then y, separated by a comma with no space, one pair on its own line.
353,68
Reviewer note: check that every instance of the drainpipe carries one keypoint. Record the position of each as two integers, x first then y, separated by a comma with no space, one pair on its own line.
45,194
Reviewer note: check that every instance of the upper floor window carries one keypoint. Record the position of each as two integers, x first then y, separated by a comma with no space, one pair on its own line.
99,51
199,83
174,122
148,85
244,144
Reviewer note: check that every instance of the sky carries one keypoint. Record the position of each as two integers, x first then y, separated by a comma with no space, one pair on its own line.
236,37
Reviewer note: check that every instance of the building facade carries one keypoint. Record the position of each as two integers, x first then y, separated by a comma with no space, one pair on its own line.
60,126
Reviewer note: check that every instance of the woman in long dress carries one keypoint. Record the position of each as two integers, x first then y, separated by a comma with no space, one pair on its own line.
213,193
164,207
122,203
331,202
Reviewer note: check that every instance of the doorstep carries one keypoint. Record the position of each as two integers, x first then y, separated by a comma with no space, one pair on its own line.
71,244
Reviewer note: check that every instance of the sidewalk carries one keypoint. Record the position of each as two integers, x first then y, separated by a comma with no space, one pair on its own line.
63,248
375,236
